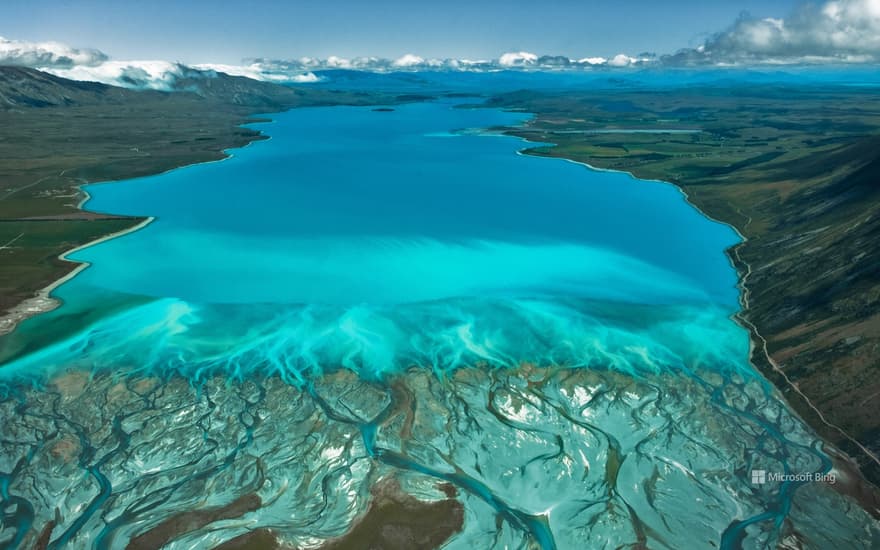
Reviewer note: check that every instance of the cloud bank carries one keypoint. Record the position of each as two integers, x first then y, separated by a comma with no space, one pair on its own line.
410,62
47,55
164,75
517,59
155,75
836,31
96,66
258,73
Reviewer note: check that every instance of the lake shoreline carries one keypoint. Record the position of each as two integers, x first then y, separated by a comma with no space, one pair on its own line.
784,190
42,301
858,485
88,131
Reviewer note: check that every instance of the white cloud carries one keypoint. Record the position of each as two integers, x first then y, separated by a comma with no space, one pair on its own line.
622,60
156,75
408,60
95,66
338,62
517,59
471,62
846,31
257,72
306,78
412,62
91,65
592,61
47,54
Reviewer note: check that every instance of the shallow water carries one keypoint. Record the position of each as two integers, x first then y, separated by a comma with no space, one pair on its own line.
398,295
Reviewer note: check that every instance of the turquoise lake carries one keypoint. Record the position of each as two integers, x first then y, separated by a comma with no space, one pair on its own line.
383,240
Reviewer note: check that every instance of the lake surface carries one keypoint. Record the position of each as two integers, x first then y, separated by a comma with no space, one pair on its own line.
375,296
348,206
404,237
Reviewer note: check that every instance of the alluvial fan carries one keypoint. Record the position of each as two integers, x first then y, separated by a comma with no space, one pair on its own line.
524,457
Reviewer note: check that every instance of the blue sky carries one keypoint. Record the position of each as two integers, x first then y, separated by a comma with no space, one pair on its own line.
225,31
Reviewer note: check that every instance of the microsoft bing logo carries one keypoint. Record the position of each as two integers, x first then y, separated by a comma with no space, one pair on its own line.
759,477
